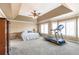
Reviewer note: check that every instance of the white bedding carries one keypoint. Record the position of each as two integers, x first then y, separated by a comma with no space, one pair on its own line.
29,36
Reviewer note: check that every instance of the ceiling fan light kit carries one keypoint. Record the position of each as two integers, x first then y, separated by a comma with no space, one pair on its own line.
35,14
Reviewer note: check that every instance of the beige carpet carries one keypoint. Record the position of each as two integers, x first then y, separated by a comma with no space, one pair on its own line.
42,47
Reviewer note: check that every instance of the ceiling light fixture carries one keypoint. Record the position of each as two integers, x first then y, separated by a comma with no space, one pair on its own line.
35,14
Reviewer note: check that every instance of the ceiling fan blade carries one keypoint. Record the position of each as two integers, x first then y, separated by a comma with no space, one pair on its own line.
32,12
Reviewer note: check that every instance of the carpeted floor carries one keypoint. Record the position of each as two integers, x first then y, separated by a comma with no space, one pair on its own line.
42,47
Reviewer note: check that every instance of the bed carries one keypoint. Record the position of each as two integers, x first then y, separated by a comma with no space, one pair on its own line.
29,35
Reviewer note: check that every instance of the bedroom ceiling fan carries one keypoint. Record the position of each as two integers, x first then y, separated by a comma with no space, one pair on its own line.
35,14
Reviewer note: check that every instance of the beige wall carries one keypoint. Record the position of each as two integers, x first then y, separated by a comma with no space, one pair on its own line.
20,26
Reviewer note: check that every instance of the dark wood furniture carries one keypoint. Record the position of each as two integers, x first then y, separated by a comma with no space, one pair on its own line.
4,41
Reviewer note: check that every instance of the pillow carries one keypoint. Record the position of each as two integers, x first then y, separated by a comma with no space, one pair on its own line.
29,31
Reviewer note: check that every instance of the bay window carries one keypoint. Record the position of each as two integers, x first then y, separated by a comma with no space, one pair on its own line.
71,27
44,28
64,29
54,26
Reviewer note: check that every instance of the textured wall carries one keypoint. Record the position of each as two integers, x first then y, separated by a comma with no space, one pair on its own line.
20,26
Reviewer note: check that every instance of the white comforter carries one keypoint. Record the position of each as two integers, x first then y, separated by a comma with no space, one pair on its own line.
29,36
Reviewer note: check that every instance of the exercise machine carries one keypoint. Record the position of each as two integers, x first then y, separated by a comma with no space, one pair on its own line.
58,38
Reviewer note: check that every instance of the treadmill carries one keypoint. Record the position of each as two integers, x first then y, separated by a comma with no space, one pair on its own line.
58,39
